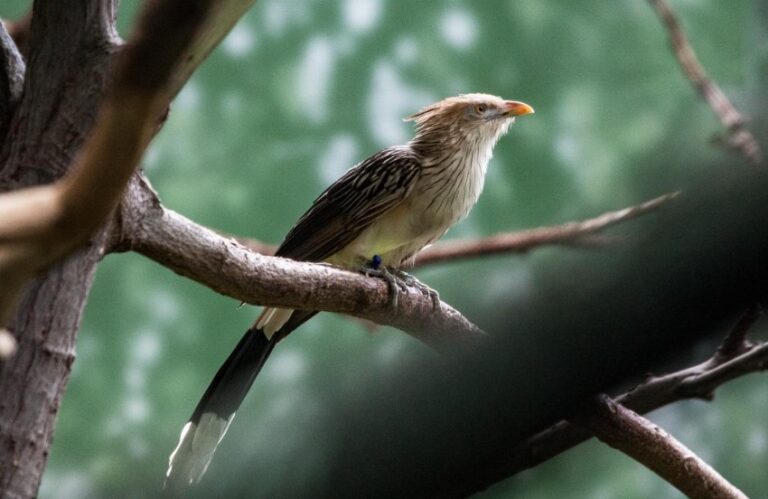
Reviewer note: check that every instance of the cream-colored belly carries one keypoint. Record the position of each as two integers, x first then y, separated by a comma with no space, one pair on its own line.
394,237
398,234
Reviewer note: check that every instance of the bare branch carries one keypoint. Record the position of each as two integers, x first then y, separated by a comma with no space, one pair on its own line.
525,240
739,138
651,446
699,382
227,267
584,233
41,224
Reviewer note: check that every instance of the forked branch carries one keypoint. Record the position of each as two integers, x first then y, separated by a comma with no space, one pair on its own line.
696,382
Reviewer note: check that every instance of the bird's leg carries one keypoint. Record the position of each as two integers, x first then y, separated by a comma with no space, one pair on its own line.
412,281
375,269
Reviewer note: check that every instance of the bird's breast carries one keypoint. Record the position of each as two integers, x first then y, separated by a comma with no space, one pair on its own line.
447,190
443,195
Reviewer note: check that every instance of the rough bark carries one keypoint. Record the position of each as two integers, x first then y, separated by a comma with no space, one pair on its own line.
71,45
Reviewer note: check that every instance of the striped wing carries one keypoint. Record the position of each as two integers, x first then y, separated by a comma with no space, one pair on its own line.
351,204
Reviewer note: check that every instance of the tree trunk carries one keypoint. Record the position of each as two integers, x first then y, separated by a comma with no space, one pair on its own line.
71,46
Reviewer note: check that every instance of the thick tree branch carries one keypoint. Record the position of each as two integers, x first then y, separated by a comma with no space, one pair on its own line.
41,224
580,233
695,382
739,138
651,446
228,267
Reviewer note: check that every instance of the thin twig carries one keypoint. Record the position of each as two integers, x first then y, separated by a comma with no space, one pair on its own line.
519,242
739,138
654,448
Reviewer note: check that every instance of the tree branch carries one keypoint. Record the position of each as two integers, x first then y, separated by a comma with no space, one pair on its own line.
739,138
525,240
226,266
695,382
651,446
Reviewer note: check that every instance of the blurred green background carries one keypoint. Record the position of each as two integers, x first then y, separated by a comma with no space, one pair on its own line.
300,91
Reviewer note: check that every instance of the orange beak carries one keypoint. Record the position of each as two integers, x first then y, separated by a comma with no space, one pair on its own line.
517,108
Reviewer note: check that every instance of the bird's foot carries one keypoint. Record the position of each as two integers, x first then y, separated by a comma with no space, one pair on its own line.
399,280
392,282
411,281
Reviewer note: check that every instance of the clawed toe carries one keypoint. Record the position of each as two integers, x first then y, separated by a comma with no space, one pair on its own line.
400,281
392,282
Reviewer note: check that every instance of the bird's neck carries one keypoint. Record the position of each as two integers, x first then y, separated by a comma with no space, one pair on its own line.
454,150
453,175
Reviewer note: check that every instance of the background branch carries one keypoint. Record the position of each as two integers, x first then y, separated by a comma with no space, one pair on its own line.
738,137
581,233
656,449
525,240
695,382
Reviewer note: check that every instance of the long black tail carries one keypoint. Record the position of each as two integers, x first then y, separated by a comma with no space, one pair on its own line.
216,409
213,414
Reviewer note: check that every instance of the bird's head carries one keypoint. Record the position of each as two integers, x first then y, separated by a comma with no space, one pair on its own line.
474,117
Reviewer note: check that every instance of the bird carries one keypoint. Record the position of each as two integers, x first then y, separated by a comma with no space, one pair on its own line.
374,218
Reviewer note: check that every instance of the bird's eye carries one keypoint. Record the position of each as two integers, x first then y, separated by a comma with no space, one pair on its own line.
481,108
